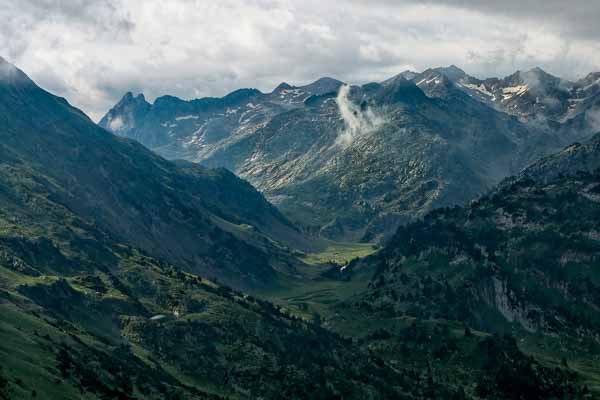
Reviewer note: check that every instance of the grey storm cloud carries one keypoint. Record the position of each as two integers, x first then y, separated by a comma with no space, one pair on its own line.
93,51
576,17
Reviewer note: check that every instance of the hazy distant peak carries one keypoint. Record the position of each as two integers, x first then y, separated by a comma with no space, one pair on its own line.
129,97
323,85
452,72
283,86
408,74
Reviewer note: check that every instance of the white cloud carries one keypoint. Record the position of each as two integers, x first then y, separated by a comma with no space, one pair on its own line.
93,51
116,124
592,118
357,121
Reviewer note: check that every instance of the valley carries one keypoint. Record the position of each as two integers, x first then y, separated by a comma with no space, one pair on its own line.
125,275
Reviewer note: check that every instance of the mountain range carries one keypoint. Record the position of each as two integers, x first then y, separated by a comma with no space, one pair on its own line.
354,162
127,276
101,244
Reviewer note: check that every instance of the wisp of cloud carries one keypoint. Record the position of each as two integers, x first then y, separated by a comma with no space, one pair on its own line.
356,121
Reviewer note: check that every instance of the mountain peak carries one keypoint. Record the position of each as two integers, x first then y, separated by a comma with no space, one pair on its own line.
282,86
325,79
399,89
323,85
408,74
536,70
127,97
242,94
532,73
539,73
452,72
124,114
130,98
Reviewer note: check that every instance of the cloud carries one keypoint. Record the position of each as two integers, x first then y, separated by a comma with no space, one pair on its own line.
93,51
357,121
576,17
116,124
592,118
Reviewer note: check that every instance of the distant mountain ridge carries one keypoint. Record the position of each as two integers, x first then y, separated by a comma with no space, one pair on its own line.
340,164
576,158
533,95
128,116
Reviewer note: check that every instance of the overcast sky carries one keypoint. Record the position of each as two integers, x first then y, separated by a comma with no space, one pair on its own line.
93,51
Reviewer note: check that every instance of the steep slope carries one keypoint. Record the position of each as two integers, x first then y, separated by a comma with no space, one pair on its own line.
135,328
524,259
86,311
354,163
528,254
579,157
178,212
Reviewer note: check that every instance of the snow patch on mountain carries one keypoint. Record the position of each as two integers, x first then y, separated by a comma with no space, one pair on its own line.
185,117
512,91
426,81
480,88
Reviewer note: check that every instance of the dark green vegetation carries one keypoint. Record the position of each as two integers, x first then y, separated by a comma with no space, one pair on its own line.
528,253
353,166
145,330
524,260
